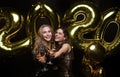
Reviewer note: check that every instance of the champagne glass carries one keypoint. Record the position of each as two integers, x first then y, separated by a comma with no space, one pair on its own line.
44,69
50,57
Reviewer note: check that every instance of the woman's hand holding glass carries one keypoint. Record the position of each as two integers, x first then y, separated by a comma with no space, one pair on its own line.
52,52
41,58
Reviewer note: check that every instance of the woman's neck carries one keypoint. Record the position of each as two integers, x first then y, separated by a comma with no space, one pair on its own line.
60,43
48,44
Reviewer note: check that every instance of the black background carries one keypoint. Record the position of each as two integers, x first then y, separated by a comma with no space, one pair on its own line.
60,6
23,65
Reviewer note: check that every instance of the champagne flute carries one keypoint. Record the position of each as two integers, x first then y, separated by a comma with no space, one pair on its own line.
50,58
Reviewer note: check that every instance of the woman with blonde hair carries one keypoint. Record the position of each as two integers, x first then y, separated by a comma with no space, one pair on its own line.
43,43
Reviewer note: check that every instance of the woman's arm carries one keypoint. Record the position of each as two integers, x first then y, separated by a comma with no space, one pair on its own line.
65,48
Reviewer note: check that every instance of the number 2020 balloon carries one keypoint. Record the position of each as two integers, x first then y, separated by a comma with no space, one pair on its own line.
84,19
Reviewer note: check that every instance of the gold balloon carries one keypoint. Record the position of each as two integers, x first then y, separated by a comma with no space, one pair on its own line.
11,22
109,30
83,18
88,71
40,12
94,55
95,52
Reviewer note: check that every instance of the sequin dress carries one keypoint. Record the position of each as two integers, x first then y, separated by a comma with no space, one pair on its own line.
63,64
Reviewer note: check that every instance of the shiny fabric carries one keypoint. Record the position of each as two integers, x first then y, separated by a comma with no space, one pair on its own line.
63,65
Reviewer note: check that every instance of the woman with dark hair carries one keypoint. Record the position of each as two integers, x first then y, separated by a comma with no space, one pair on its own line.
62,55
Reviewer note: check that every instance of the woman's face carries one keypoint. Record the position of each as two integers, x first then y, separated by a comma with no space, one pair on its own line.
47,33
59,35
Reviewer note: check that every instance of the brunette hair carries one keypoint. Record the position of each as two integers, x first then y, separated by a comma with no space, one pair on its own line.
66,35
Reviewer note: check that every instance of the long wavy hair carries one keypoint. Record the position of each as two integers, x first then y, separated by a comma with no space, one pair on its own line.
39,40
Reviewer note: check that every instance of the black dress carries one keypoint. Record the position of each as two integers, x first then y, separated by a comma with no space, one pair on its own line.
43,70
63,64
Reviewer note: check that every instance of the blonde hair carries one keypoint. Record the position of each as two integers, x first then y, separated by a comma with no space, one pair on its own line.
39,40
